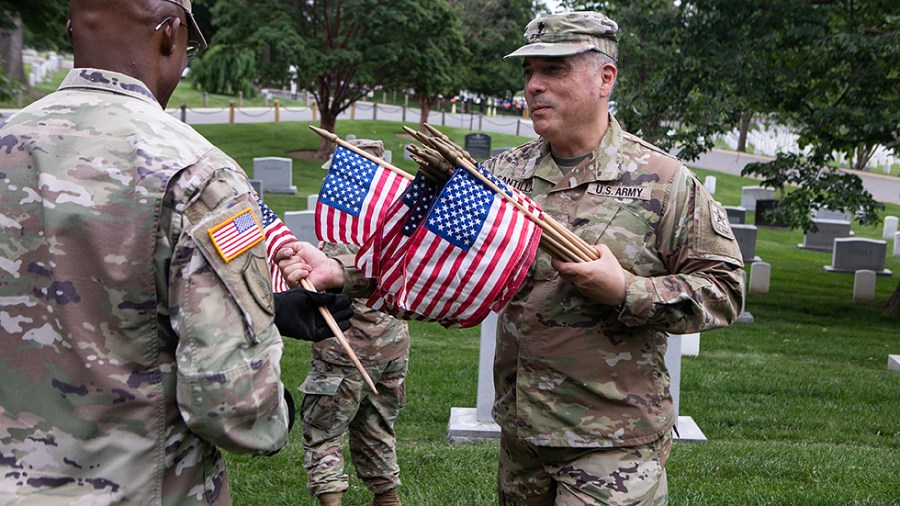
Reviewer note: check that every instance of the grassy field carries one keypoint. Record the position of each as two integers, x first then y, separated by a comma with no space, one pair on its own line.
799,406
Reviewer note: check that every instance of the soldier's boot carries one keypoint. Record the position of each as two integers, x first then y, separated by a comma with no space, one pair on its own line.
389,498
330,499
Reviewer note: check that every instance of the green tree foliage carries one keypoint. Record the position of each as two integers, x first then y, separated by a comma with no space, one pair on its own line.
226,70
493,29
430,65
39,22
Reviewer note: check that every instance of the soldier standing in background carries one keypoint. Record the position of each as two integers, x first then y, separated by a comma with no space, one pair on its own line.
337,401
582,391
138,322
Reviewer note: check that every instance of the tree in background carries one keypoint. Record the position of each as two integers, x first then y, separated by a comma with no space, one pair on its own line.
41,23
430,54
486,72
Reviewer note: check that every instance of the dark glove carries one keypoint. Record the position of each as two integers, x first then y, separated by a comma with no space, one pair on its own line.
297,313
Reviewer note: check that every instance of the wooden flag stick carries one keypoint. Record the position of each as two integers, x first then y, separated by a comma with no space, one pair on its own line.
332,324
341,142
585,250
447,152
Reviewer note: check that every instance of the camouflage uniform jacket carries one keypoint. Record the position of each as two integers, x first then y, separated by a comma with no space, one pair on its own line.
131,349
376,337
574,373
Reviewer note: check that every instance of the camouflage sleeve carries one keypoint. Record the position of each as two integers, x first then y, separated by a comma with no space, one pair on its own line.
704,287
221,308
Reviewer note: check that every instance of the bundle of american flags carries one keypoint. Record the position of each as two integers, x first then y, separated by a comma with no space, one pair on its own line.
449,245
442,251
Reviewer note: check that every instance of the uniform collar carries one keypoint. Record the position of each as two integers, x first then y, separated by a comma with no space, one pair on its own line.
109,81
602,165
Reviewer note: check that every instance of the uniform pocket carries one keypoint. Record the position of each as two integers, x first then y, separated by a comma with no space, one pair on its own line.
319,408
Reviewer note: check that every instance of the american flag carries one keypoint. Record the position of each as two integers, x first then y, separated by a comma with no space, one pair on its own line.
354,198
390,244
277,235
468,257
400,221
236,235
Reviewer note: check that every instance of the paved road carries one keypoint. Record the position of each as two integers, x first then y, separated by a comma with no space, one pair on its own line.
884,188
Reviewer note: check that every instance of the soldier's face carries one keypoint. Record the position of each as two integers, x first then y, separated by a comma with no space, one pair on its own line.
564,95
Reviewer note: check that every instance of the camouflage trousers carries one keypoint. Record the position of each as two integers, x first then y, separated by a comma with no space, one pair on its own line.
338,402
544,476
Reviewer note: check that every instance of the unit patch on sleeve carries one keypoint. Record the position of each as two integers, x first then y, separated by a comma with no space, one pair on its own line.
719,219
236,235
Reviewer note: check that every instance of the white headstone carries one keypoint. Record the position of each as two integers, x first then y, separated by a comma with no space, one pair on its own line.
276,174
710,183
468,424
854,254
897,245
736,214
760,277
302,224
893,362
864,285
387,156
823,213
311,200
488,341
744,316
827,231
890,228
746,238
690,344
750,194
686,428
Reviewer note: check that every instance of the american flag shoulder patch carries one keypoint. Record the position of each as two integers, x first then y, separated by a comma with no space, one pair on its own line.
236,235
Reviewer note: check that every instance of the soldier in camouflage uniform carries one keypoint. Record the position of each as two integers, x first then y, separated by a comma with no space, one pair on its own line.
137,339
582,391
337,401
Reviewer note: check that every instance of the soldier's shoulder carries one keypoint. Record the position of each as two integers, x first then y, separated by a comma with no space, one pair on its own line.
515,160
638,147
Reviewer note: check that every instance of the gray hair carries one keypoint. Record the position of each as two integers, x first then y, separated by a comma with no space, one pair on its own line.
595,60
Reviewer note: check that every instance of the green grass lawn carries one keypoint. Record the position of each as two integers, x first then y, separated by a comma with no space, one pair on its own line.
799,406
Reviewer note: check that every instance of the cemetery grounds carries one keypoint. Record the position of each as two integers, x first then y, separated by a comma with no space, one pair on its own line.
798,406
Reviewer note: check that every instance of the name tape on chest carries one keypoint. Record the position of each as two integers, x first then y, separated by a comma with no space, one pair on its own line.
236,235
620,192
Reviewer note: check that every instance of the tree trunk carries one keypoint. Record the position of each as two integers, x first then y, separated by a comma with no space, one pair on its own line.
11,42
862,156
424,110
893,304
742,132
326,147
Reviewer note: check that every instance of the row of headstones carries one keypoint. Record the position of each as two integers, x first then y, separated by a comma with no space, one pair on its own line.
275,174
779,139
833,233
41,69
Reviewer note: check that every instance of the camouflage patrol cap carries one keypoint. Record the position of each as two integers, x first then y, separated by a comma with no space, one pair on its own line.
569,33
194,33
372,146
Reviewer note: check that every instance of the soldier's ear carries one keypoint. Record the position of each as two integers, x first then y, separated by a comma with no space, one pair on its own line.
169,36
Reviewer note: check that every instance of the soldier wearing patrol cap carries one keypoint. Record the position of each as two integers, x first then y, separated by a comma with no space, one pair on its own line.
140,330
582,391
